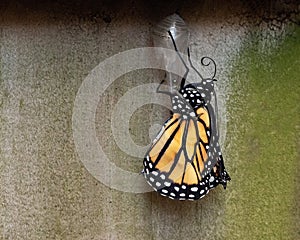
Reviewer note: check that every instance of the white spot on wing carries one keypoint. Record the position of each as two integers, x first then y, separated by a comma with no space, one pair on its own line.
168,184
164,191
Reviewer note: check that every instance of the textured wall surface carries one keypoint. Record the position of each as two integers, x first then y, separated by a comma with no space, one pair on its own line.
48,49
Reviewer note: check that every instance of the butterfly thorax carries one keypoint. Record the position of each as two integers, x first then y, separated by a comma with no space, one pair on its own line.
186,101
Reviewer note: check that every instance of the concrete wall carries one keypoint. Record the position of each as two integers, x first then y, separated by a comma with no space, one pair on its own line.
48,49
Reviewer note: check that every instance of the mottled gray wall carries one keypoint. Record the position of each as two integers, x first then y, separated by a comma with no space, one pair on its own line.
47,49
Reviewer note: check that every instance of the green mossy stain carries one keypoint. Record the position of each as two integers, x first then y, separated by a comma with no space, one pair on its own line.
264,136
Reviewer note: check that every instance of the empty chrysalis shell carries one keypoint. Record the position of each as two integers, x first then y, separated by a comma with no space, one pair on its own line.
161,38
179,30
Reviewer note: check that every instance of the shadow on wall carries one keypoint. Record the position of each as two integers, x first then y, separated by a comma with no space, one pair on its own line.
151,11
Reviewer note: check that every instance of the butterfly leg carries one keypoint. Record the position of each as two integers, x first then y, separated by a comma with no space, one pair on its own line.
161,91
190,61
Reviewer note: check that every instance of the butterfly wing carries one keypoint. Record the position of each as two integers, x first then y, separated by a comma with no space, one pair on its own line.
178,157
213,172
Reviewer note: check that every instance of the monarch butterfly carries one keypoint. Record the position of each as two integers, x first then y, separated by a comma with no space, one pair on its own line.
184,161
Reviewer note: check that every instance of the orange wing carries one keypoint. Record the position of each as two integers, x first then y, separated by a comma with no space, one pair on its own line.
175,163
